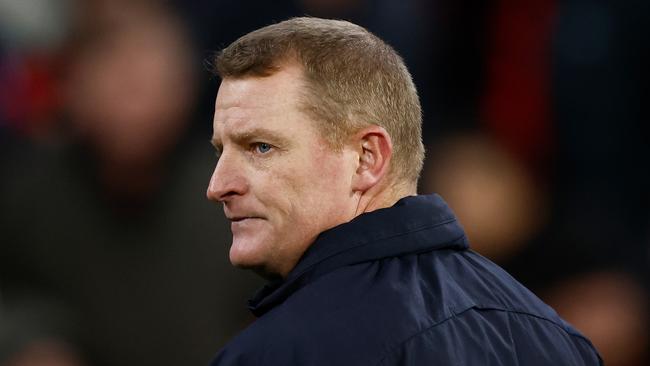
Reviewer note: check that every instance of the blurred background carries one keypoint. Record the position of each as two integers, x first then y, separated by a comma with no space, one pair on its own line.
535,121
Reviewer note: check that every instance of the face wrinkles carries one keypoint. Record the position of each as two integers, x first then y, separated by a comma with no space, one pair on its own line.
279,182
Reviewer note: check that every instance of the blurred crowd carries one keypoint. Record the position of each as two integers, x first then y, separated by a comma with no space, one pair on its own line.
535,122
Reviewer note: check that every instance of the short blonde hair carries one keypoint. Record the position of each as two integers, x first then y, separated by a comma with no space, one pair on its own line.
353,80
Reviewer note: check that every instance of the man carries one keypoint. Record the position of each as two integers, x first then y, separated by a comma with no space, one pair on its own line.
318,127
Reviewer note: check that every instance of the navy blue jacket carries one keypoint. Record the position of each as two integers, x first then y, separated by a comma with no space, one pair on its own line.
400,286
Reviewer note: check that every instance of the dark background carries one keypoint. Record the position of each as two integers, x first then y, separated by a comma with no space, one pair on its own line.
536,127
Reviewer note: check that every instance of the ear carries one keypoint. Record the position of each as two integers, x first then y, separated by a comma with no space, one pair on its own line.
375,149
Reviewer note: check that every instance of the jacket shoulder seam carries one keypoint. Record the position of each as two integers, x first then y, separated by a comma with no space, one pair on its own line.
478,308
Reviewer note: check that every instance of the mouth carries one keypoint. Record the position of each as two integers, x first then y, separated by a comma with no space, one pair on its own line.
242,218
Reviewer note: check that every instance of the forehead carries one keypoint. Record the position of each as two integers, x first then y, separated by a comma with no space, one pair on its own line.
246,106
281,90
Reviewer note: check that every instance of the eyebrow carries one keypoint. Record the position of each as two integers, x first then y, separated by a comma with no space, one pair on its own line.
254,134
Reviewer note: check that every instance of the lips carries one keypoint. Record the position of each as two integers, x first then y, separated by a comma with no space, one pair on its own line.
245,223
239,214
241,218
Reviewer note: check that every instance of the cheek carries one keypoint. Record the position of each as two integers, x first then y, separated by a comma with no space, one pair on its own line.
331,175
277,191
305,192
326,187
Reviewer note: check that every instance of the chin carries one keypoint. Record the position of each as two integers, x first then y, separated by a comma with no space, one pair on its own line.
243,259
250,255
246,253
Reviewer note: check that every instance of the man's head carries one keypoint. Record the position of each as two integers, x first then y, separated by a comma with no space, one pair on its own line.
317,122
352,80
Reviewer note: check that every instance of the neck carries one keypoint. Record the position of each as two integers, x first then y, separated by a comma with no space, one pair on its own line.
383,196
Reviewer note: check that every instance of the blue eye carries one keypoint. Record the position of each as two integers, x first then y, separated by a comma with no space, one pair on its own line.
262,147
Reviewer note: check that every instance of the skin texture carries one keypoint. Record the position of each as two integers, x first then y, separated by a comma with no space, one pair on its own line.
278,180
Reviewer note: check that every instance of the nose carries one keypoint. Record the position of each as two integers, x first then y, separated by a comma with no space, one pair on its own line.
227,180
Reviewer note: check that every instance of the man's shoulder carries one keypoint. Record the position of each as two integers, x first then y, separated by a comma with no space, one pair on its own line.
487,314
490,336
422,304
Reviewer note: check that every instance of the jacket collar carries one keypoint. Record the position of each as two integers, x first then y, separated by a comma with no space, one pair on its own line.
414,224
